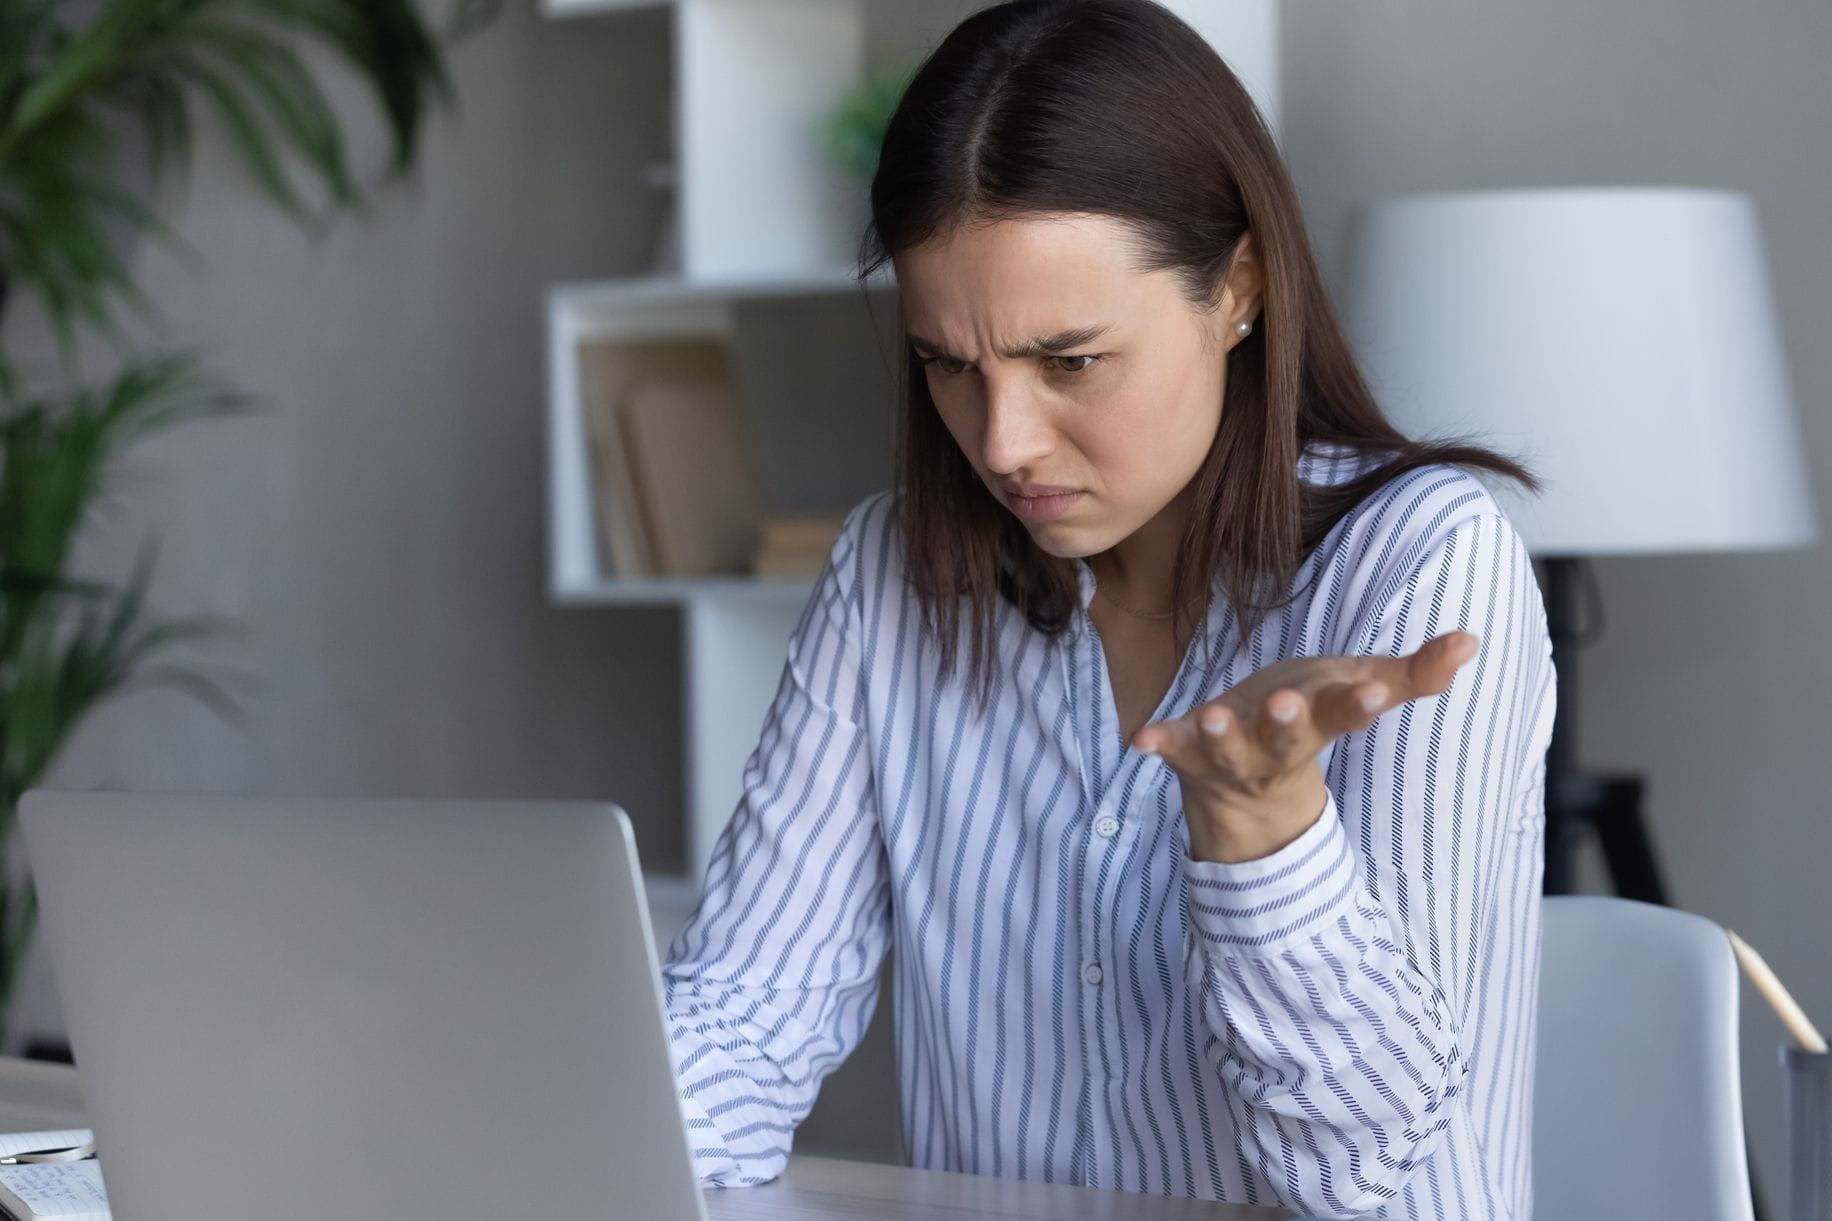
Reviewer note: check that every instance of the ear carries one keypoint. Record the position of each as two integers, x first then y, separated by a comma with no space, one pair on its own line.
1240,298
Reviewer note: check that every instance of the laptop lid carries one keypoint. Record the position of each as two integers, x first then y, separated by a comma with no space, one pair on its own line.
294,1007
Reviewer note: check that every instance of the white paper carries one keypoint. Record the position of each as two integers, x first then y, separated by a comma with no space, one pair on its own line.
69,1191
55,1138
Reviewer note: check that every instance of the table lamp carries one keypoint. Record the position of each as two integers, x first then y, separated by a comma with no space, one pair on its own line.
1622,342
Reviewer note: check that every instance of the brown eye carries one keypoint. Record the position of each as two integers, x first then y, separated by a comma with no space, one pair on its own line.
1077,368
947,366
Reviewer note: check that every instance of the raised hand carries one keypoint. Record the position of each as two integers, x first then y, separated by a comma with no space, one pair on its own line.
1246,761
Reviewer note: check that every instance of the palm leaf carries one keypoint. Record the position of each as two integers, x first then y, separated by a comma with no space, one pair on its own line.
389,45
71,87
56,456
51,231
148,94
65,90
65,670
298,107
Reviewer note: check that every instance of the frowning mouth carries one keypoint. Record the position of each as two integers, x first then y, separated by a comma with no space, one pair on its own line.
1043,508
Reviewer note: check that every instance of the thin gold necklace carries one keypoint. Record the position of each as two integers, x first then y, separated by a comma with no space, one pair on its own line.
1101,590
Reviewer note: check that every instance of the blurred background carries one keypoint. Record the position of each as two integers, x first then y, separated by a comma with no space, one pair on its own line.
383,525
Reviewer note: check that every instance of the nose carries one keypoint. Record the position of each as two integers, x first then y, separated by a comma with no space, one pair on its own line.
1016,430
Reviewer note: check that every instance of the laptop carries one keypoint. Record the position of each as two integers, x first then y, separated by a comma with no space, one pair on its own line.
402,1009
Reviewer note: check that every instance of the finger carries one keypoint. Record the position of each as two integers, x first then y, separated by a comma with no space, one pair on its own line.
1347,707
1284,725
1436,662
1428,669
1158,738
1207,739
1223,738
1207,735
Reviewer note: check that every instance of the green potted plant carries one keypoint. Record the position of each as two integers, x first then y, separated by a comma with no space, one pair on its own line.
77,82
852,132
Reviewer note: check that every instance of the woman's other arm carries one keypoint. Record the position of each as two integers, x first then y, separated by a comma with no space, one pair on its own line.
772,981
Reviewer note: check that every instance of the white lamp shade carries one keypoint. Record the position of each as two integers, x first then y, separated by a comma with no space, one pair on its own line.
1621,341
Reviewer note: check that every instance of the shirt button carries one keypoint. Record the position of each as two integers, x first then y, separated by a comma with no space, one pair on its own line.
1091,973
1106,826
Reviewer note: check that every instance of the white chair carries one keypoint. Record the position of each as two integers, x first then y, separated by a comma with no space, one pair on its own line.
1637,1112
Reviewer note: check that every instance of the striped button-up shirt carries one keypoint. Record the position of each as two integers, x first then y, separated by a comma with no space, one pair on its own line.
1344,1027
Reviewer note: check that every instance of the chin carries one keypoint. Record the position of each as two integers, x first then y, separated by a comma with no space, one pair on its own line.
1061,544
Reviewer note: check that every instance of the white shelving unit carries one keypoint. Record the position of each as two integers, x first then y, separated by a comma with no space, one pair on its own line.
755,195
648,307
759,213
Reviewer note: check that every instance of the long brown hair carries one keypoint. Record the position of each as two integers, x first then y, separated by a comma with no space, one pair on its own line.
1119,108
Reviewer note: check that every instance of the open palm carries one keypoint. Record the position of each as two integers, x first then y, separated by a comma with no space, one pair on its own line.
1274,723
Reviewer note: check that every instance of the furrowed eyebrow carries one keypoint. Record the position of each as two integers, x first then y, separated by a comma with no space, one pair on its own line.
1045,345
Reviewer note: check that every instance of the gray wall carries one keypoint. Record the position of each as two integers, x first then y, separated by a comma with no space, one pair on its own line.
380,527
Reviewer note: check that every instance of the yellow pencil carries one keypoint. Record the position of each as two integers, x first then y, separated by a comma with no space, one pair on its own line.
1792,1016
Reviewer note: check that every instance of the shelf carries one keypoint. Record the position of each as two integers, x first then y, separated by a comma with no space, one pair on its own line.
754,190
674,591
760,213
592,8
643,307
646,292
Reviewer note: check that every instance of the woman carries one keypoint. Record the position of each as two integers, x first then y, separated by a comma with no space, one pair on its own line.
1289,960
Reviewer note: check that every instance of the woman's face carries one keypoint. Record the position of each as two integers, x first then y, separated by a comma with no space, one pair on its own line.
1055,363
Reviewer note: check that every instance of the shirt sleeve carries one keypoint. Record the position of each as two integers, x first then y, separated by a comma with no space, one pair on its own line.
771,982
1338,975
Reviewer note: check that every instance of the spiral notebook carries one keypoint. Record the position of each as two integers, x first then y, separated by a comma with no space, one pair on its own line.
68,1191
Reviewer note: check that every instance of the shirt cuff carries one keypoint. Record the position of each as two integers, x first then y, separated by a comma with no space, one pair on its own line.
1293,893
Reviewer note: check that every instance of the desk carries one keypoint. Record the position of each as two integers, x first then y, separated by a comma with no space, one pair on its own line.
39,1095
824,1188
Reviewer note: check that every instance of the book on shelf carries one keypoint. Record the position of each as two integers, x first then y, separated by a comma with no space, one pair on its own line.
68,1191
690,461
819,531
795,547
673,481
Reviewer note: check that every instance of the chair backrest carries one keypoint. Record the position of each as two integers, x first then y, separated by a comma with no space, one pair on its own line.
1638,1112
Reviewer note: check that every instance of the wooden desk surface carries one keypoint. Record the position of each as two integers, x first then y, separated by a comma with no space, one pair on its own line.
34,1094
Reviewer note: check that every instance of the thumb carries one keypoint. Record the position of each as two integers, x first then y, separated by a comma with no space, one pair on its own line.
1437,660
